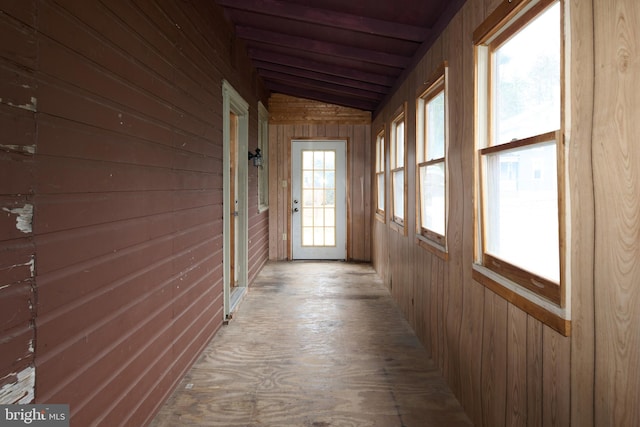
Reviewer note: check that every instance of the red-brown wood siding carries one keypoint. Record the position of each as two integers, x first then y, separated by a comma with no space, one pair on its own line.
17,248
111,116
258,238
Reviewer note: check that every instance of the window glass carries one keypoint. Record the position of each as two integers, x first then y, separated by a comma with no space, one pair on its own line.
399,159
527,80
380,179
435,127
398,142
433,197
431,134
522,209
263,169
318,198
398,194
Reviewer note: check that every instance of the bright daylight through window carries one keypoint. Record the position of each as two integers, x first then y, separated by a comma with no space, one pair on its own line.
318,198
397,169
519,141
431,147
380,180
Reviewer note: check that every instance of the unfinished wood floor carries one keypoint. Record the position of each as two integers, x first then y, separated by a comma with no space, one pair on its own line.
318,344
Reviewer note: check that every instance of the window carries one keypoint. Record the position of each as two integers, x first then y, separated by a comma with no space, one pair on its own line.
431,149
263,170
380,179
398,187
520,153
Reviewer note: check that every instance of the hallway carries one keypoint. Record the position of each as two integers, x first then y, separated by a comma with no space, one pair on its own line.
318,344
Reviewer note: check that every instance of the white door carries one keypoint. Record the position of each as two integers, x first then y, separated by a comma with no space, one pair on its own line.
318,199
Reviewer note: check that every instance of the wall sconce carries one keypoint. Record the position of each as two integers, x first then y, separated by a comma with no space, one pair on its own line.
257,158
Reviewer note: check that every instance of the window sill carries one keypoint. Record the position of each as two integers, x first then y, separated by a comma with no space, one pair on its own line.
262,209
381,217
548,313
433,247
398,228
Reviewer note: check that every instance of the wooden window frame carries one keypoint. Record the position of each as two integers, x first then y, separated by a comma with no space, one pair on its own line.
540,297
380,171
433,87
263,170
400,116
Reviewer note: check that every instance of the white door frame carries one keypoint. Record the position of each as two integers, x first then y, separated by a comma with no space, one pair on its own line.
232,102
341,147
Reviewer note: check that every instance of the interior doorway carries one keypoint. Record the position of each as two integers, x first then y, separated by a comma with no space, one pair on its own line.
235,133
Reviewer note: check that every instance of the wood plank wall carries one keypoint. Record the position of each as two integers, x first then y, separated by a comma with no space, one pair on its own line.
293,118
506,367
111,128
616,172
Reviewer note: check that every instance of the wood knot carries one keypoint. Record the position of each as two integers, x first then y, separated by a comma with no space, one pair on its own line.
623,60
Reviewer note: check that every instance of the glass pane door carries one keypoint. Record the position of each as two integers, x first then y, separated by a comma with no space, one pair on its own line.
318,200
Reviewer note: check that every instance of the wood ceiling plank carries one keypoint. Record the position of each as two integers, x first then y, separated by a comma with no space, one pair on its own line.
322,96
330,18
322,67
321,77
321,47
284,78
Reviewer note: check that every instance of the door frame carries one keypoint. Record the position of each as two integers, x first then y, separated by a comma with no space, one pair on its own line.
347,191
232,102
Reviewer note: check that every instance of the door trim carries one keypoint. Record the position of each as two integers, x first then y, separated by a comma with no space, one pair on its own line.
233,102
347,142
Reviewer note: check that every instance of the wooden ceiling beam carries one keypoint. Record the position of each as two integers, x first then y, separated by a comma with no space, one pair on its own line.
321,77
325,48
289,79
322,96
330,18
332,69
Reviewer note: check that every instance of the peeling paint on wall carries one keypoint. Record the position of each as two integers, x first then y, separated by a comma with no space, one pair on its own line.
31,106
29,355
24,217
27,149
31,264
19,387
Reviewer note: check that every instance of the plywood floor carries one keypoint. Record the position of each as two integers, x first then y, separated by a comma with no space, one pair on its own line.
318,344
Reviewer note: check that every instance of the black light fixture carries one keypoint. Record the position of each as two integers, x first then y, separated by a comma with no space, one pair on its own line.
257,158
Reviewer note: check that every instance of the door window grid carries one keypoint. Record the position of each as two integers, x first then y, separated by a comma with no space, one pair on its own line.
318,207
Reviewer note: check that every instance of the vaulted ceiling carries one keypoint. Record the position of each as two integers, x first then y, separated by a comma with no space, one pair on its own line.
345,52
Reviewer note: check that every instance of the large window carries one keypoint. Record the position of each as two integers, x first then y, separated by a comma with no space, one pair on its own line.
519,141
380,179
431,148
398,187
263,170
